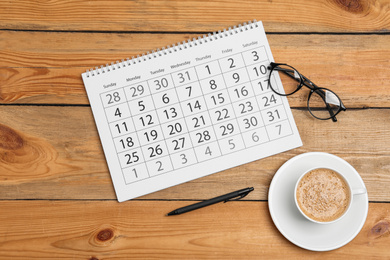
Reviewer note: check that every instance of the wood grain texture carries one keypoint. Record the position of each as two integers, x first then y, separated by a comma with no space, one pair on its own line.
279,16
139,230
55,153
56,196
41,67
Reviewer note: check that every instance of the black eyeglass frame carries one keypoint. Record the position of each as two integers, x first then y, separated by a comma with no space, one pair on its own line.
304,81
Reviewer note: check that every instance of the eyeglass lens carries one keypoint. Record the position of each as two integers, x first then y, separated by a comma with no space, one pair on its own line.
291,79
323,103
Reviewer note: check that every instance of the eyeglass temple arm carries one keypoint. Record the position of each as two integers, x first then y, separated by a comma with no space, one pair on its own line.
291,74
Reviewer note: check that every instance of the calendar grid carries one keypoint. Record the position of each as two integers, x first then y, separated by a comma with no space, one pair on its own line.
190,110
248,100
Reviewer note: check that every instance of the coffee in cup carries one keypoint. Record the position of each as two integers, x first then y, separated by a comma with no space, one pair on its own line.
323,195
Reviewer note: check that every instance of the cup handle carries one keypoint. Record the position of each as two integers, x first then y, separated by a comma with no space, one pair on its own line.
359,191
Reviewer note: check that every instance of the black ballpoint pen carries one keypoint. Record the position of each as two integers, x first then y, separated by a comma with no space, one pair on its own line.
227,197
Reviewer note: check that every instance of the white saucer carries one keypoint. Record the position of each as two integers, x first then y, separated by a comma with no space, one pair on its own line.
295,227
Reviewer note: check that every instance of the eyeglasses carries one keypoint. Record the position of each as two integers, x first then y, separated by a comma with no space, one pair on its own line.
322,103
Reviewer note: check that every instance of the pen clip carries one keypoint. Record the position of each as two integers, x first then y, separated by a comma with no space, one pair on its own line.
240,197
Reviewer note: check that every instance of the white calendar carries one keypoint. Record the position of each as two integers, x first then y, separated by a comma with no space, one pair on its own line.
189,110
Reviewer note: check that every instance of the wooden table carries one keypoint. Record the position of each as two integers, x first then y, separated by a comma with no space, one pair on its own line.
56,195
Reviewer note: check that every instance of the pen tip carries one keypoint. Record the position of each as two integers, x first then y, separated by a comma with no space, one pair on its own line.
171,213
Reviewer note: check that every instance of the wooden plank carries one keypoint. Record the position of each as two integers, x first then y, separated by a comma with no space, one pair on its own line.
36,69
55,153
139,230
280,16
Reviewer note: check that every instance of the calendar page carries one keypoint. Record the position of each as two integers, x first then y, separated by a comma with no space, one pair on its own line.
189,110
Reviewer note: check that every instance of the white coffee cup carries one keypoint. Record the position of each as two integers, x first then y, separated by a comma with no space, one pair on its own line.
325,198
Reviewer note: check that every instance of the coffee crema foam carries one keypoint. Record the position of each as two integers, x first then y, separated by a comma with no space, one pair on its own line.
323,195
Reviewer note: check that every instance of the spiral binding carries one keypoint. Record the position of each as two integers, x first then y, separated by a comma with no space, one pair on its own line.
171,48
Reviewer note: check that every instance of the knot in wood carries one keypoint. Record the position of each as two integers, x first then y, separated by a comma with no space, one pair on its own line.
9,139
380,229
105,234
352,6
